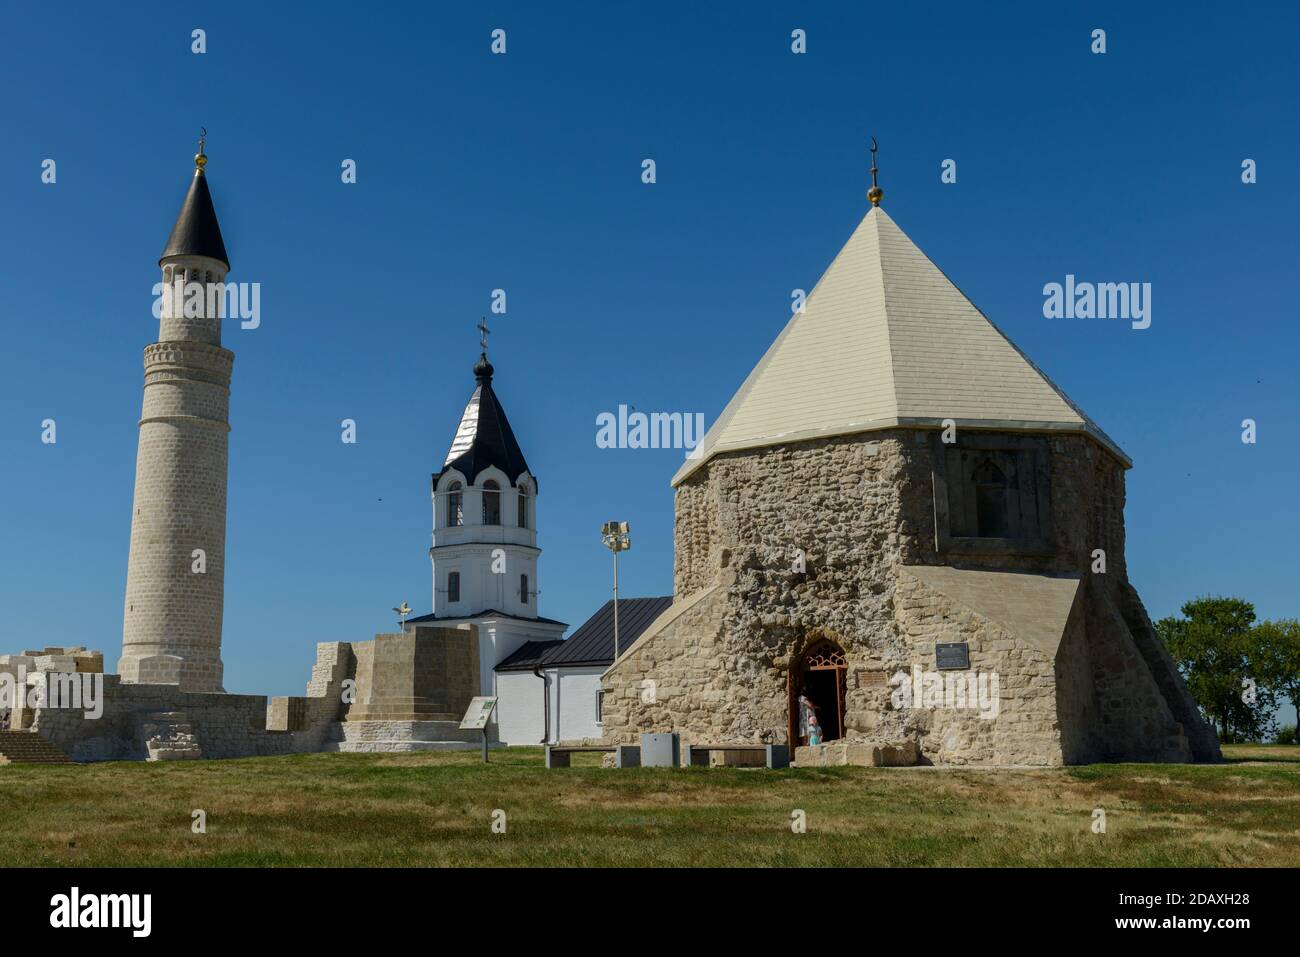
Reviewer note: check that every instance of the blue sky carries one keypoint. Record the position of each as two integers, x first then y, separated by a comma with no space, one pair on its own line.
522,172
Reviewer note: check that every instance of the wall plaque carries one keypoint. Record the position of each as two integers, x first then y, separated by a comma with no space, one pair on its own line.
952,656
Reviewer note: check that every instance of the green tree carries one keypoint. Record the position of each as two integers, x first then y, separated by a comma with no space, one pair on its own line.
1279,653
1218,651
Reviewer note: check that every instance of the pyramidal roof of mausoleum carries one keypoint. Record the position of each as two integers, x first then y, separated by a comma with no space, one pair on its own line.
885,340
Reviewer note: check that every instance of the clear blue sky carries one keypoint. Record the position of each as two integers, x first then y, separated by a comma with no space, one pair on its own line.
523,172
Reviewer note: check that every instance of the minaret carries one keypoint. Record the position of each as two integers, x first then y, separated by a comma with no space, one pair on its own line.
175,580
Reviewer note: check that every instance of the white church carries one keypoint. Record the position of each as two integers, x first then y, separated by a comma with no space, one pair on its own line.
485,573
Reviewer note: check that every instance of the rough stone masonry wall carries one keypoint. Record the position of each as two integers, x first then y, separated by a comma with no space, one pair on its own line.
860,507
1025,728
742,516
1133,718
684,677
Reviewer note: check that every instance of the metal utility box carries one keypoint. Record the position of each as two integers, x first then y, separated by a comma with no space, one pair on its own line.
660,750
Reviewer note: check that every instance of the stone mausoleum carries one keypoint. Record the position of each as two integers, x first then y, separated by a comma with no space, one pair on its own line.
900,518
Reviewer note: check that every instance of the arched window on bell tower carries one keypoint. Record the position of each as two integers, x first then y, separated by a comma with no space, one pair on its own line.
491,503
455,505
523,505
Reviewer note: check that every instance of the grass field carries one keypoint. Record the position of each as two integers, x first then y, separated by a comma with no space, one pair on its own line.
436,809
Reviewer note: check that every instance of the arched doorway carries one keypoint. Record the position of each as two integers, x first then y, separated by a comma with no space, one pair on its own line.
820,674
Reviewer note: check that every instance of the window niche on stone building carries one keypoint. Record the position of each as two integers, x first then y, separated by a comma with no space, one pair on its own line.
992,495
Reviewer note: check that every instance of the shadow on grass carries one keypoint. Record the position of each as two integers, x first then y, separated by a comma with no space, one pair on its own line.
1273,753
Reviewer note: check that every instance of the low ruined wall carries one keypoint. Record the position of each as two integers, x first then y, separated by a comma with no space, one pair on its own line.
224,725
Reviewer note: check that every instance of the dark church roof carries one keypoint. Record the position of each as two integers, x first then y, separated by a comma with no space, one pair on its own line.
197,232
484,437
485,613
527,656
593,642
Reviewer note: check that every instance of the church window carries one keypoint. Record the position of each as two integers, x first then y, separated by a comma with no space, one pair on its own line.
455,505
523,589
990,501
453,587
491,503
523,507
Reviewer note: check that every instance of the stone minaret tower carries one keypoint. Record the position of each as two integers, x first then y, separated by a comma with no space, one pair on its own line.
175,579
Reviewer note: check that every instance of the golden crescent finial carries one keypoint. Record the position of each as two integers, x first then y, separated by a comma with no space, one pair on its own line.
875,194
200,159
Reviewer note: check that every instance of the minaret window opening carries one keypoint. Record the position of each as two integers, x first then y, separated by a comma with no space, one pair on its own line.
453,587
523,589
455,505
523,506
491,503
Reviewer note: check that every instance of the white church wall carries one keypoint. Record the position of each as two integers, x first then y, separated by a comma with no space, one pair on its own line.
498,639
519,708
481,587
574,704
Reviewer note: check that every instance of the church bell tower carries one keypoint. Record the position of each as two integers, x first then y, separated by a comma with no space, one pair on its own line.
484,515
485,553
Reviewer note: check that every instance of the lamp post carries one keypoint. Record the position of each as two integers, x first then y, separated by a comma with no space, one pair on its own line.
616,539
402,611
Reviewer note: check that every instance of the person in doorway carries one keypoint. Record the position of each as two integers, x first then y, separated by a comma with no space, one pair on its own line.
808,726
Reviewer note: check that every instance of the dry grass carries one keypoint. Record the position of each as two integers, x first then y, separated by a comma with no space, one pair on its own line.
436,809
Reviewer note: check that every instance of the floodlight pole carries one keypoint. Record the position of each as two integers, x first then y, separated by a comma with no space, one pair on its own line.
616,603
616,539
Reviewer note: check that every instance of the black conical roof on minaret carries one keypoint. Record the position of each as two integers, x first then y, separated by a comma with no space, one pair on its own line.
484,436
197,232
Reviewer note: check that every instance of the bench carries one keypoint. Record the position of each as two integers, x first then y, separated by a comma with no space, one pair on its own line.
625,755
775,756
